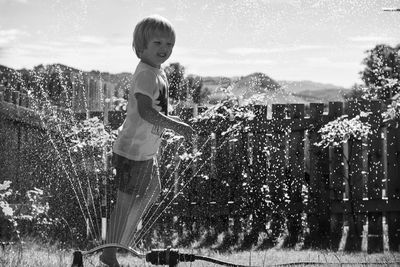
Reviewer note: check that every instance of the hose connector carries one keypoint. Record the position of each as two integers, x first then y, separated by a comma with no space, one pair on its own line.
170,257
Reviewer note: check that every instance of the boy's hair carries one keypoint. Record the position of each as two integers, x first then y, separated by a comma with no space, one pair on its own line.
145,29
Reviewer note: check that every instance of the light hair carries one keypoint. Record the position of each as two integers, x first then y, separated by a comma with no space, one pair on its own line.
145,30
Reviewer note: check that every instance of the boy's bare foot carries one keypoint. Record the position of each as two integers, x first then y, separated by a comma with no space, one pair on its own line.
109,261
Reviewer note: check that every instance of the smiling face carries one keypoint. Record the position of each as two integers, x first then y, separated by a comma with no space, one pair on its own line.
158,50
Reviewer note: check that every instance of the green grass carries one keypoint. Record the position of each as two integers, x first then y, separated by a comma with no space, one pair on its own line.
31,254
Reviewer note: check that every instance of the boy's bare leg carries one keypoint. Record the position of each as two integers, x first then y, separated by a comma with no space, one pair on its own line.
138,209
109,257
117,221
132,200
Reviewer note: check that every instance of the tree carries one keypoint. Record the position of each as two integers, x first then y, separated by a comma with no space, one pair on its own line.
177,85
195,85
357,92
382,71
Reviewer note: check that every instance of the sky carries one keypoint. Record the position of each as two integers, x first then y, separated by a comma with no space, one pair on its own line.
318,40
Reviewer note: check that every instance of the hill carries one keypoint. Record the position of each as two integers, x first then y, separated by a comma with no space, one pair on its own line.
267,90
301,86
256,87
256,83
324,95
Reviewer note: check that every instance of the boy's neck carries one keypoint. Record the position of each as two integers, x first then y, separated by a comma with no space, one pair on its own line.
151,65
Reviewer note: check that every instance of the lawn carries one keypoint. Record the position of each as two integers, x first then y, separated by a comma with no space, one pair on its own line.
30,254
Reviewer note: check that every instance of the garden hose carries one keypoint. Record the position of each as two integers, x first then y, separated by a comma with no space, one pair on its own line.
170,257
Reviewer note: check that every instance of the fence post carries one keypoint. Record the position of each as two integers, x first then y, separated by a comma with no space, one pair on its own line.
392,182
376,240
15,98
278,176
355,213
258,149
295,172
2,92
318,162
7,94
336,174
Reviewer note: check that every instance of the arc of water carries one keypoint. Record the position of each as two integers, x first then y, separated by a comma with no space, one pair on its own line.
66,172
149,204
97,231
153,218
169,180
171,187
86,202
48,132
73,180
144,231
119,218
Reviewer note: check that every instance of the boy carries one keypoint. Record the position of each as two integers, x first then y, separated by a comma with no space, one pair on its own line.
140,135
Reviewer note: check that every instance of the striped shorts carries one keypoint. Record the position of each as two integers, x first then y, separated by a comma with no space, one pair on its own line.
134,176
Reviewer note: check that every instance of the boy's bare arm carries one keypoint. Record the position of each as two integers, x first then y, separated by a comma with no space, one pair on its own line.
148,113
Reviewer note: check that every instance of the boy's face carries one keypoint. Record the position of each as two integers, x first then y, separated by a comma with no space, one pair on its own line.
158,50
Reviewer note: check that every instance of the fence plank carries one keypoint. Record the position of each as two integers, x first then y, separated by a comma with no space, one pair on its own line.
393,152
318,162
375,155
393,221
276,186
356,219
295,172
336,174
376,220
375,233
393,183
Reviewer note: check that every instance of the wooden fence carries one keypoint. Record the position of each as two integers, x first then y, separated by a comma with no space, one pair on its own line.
352,192
347,195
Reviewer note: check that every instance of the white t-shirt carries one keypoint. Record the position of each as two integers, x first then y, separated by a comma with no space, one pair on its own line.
138,139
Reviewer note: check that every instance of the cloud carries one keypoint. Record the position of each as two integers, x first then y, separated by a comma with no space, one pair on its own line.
215,61
328,63
10,35
20,1
371,39
244,51
85,53
159,9
182,51
91,40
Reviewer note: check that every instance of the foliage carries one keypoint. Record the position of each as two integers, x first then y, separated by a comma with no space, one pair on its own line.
195,85
358,92
91,134
34,210
175,74
393,111
340,130
382,70
184,88
229,108
5,191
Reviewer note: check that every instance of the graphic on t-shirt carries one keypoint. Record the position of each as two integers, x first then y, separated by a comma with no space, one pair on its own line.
162,102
